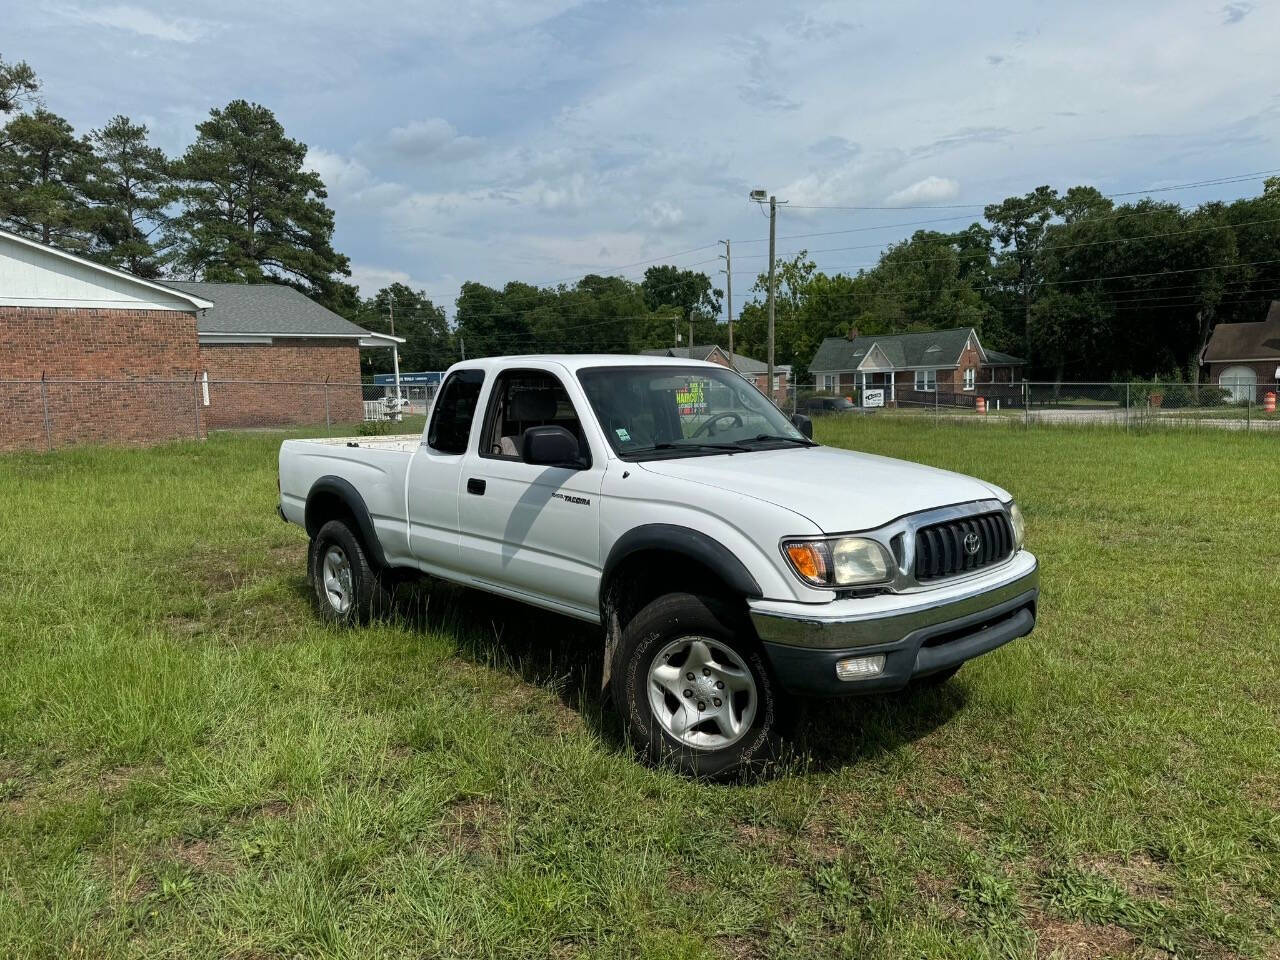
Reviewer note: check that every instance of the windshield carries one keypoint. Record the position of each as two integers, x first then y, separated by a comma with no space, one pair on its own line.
650,412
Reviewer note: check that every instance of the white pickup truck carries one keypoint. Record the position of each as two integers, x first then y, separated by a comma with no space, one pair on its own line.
728,558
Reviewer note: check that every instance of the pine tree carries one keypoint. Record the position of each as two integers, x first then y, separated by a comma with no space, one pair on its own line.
44,168
131,187
251,212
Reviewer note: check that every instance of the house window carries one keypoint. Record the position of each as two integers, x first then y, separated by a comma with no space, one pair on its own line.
828,382
969,376
927,380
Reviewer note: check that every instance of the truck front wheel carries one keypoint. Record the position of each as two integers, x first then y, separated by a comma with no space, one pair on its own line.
347,589
694,689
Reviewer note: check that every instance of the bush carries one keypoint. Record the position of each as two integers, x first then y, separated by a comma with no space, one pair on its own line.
374,428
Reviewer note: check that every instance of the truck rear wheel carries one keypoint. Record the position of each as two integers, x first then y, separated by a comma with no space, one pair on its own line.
347,590
694,689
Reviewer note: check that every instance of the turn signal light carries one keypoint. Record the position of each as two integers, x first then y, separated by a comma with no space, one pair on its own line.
808,561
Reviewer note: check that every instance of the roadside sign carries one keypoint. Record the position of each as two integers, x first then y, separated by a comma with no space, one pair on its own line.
873,398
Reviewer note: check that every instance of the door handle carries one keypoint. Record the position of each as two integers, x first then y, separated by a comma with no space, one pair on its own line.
476,486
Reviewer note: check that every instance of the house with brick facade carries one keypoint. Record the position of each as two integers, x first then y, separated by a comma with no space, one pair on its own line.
914,368
91,354
1244,358
754,370
274,356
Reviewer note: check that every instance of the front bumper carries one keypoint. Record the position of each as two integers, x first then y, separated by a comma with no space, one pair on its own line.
918,634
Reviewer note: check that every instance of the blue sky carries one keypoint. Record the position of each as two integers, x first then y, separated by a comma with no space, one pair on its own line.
537,140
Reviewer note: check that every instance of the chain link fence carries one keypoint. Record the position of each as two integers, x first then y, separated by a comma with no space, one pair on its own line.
1125,405
52,414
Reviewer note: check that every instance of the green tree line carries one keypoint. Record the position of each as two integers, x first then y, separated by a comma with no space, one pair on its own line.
1079,286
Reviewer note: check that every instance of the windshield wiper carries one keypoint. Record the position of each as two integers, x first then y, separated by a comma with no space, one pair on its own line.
762,437
694,445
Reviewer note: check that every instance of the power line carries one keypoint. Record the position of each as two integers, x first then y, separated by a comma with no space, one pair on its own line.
1123,215
1234,178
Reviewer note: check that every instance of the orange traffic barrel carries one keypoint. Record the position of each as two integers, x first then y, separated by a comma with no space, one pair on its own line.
982,404
1269,402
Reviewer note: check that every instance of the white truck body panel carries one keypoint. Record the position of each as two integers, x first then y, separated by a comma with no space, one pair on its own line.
543,534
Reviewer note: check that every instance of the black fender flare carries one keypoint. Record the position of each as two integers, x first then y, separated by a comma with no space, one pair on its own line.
350,497
669,537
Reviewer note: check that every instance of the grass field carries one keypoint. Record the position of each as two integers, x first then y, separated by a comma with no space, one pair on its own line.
192,766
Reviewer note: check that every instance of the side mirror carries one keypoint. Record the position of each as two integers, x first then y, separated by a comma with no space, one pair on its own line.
803,424
550,446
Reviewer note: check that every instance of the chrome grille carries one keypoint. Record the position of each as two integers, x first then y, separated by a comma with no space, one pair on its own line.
941,548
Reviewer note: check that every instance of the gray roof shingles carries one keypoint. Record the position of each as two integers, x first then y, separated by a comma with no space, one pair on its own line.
1246,341
741,362
264,308
904,351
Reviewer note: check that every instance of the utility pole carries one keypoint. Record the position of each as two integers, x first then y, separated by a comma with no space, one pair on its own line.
759,196
773,231
728,290
691,335
395,350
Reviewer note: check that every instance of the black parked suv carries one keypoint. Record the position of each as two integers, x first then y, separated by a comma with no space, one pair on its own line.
824,405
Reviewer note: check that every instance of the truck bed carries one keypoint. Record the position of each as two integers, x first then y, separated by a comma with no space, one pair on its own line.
376,466
404,442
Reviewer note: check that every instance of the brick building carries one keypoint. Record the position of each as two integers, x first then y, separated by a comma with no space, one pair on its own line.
913,368
1244,358
274,356
90,354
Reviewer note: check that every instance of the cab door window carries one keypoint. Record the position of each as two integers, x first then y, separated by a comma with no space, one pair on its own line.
523,399
454,410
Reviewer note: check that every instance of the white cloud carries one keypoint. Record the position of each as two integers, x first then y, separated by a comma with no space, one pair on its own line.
663,214
143,22
928,190
371,279
433,136
340,174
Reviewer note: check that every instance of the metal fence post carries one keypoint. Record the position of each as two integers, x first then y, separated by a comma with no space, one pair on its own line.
1126,407
195,382
328,427
44,402
1026,405
1248,417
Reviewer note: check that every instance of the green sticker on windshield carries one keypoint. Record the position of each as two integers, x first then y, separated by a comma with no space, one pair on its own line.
623,435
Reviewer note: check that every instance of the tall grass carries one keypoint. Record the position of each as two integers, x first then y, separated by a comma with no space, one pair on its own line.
191,765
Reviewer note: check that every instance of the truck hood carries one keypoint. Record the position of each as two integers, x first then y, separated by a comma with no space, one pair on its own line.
839,490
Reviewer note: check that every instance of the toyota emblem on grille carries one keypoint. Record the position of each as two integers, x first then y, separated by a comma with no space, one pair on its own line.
972,544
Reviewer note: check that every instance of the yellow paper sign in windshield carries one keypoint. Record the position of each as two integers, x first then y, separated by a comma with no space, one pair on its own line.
693,398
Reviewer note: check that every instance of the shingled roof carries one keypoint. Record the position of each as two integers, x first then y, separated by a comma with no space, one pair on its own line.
265,309
1246,341
903,351
741,362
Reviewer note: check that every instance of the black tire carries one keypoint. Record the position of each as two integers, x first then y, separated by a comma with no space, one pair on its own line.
654,628
934,680
367,595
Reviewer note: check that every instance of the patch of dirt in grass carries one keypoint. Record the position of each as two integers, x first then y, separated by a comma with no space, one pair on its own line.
183,625
1074,940
200,855
523,697
474,825
1139,876
114,780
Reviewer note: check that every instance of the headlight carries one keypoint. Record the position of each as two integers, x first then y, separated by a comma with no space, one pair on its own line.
845,562
1019,525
